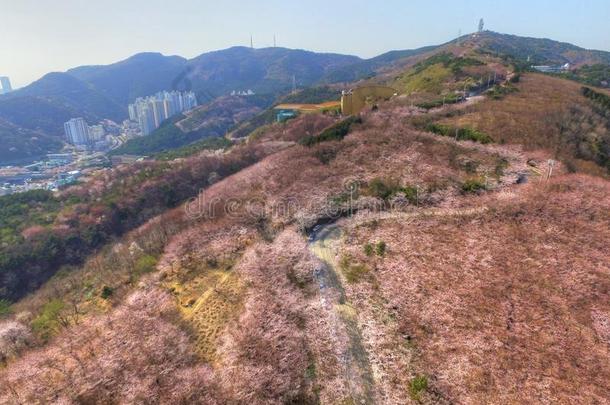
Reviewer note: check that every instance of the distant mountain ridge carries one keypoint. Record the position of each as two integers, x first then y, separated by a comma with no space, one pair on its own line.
538,50
97,92
104,91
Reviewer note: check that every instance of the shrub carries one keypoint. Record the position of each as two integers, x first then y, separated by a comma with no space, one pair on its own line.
325,154
107,292
14,337
473,185
381,189
145,264
368,249
386,189
49,320
462,133
601,99
5,308
353,273
498,92
418,385
449,99
334,133
380,248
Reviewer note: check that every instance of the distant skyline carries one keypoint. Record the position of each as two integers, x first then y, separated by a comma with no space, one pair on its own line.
41,37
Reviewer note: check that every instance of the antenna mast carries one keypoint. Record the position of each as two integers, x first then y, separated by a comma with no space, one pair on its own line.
481,25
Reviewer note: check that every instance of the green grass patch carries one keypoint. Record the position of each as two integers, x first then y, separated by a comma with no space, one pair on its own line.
433,73
380,248
473,185
452,98
335,132
600,99
463,134
417,386
107,292
498,92
591,75
388,188
145,264
353,273
48,322
5,308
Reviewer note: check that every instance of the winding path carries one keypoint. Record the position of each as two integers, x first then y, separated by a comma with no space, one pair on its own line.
357,372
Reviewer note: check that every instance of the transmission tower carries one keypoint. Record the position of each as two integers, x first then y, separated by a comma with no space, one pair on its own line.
481,25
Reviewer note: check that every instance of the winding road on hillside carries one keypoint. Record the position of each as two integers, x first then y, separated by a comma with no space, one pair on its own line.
357,372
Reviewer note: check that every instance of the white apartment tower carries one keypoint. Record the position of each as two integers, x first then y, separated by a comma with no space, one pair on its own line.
77,131
150,112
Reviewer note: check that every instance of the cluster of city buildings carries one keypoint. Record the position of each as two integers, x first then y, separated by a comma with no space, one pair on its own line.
242,93
85,136
552,69
58,170
5,85
149,112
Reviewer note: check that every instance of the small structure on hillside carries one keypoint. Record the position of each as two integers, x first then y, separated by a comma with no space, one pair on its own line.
354,100
552,69
288,111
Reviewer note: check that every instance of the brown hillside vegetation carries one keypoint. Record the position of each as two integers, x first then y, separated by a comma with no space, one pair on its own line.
483,291
546,113
509,305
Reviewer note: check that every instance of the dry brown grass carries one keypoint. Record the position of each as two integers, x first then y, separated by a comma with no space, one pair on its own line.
546,113
510,305
503,305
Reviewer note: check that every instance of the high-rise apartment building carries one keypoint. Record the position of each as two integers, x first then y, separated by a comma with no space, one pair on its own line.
77,131
96,133
151,111
5,85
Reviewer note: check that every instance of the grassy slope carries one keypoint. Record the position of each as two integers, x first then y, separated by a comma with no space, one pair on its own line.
503,305
546,113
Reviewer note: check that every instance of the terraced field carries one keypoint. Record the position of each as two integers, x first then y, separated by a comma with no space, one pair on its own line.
208,302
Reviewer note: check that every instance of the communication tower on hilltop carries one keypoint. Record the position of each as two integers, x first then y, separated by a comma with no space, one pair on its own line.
481,25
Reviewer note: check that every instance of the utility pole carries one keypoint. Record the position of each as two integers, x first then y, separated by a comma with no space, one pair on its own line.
551,163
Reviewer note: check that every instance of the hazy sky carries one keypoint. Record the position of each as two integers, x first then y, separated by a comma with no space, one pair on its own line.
39,36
